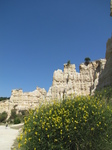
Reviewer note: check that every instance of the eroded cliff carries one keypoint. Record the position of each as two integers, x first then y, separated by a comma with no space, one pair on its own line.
68,82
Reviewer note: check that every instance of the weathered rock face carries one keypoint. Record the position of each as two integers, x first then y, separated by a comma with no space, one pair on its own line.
105,78
96,74
69,82
111,8
24,101
5,106
65,83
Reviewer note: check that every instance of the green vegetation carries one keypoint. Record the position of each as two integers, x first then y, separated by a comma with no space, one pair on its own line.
4,98
13,114
82,123
105,94
87,60
68,63
17,120
17,117
3,116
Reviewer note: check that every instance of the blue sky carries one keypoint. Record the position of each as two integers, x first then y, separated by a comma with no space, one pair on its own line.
38,36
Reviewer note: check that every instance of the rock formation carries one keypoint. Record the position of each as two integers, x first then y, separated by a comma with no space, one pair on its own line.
5,105
28,99
65,83
68,82
23,100
71,83
105,78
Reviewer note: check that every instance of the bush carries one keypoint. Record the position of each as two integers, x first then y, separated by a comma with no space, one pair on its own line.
105,94
87,60
24,112
4,98
17,120
83,123
3,116
14,117
68,63
13,114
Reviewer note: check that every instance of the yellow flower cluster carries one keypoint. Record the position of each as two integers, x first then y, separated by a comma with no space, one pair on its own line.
62,123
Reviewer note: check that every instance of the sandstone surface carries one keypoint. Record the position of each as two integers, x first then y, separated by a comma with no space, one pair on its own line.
65,83
105,78
23,100
71,83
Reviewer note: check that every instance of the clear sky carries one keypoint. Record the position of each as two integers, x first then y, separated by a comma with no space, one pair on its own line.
38,36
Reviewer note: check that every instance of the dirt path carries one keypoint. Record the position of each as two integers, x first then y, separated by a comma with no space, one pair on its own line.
7,137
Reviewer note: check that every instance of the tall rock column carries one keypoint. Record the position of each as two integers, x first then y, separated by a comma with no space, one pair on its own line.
71,83
105,78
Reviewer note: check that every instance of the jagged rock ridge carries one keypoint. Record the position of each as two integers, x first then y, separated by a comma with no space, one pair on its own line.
69,82
96,74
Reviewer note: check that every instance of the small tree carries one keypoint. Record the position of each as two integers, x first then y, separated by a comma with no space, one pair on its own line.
17,120
13,114
68,62
3,116
87,60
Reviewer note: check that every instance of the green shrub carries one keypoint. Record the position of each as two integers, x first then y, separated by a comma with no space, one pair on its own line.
4,98
87,60
23,112
3,116
68,63
13,114
83,123
105,94
17,120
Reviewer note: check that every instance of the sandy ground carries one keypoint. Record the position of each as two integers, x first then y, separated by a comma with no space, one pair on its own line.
7,137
